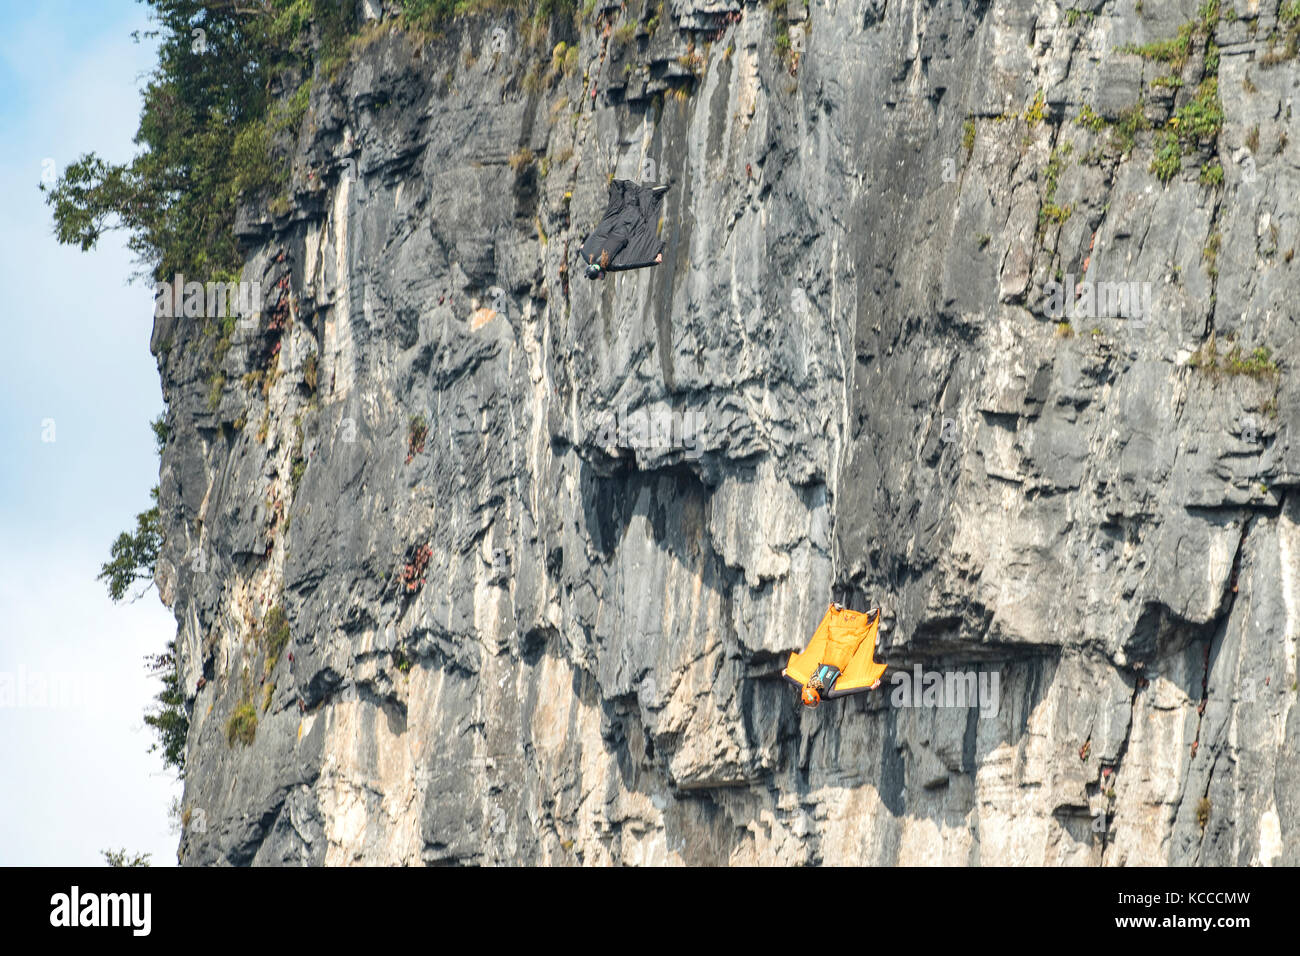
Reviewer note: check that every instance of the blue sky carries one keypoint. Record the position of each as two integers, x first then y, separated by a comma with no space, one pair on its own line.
77,777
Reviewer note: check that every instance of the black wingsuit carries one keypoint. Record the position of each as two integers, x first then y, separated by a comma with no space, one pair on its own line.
629,230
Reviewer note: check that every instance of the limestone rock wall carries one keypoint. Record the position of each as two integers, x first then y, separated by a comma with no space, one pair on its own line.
551,629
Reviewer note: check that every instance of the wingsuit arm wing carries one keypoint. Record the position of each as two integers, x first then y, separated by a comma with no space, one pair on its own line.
801,666
605,237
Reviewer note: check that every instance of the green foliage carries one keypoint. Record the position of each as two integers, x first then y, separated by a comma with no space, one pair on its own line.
1177,49
216,385
1123,130
1201,118
169,720
311,372
288,116
1210,254
782,41
88,193
428,13
564,60
1051,212
968,137
253,169
1055,164
1054,213
242,725
1089,119
159,426
417,432
1208,16
1258,364
1173,50
134,555
1167,160
521,158
205,132
778,11
1131,122
121,858
1198,121
550,11
435,14
273,636
212,131
1036,112
1290,46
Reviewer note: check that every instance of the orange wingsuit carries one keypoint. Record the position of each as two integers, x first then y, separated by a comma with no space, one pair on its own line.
845,640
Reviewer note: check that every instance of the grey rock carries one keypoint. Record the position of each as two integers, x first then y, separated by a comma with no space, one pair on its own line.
551,628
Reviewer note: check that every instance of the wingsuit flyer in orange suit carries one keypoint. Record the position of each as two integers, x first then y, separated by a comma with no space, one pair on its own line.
840,658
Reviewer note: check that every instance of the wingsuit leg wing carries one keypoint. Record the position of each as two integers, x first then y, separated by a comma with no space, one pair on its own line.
844,639
643,242
862,669
801,667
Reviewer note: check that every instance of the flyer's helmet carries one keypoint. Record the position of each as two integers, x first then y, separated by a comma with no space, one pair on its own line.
810,697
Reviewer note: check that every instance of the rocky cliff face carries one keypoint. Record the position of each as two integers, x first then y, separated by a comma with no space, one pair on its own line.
542,545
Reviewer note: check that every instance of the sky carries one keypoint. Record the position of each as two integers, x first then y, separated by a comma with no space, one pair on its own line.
78,389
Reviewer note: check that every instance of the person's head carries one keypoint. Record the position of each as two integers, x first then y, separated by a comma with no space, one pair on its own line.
594,271
811,696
